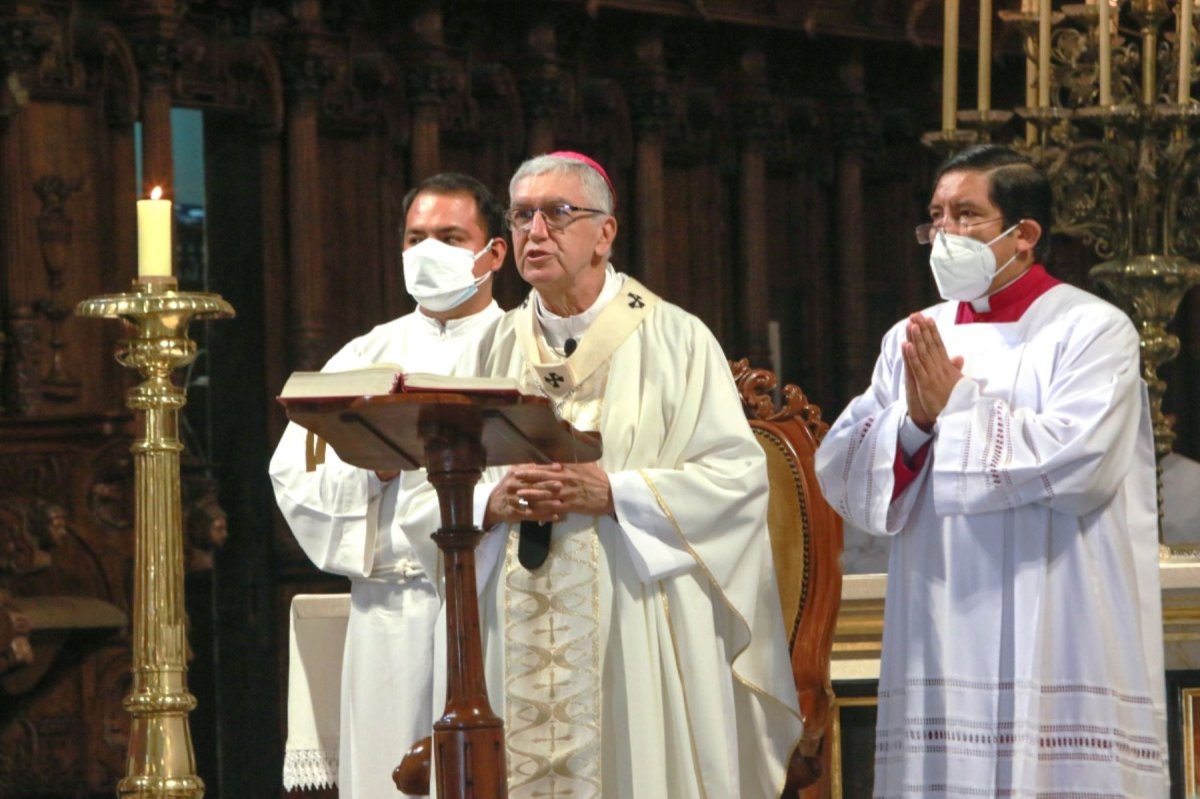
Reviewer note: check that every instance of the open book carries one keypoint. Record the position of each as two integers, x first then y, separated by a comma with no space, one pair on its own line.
379,417
388,378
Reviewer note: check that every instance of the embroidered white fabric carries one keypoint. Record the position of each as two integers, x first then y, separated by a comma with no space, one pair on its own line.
309,770
317,637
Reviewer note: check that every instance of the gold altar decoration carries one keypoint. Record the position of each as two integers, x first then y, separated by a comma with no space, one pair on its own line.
161,762
1109,116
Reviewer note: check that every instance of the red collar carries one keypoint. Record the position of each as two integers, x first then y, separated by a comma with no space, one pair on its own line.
1010,303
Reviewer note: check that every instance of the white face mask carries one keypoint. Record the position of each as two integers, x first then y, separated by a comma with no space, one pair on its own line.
440,276
963,267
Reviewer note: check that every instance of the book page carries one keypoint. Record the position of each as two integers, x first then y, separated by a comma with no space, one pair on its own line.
427,381
381,378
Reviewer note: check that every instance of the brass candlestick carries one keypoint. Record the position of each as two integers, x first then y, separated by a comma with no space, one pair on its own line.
161,762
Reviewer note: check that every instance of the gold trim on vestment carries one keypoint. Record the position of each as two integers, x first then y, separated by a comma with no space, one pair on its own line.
662,504
616,322
553,688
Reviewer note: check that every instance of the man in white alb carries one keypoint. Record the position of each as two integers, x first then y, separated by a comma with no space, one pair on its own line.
1005,444
634,644
351,521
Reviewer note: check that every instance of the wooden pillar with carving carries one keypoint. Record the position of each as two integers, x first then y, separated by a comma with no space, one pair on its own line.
152,29
539,80
427,77
158,166
650,109
858,351
18,247
755,108
306,70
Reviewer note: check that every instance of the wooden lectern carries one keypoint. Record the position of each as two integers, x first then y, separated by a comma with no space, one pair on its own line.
453,436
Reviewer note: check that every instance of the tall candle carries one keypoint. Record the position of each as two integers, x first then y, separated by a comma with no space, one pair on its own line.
1044,77
1185,50
1104,31
154,235
985,55
1027,6
950,67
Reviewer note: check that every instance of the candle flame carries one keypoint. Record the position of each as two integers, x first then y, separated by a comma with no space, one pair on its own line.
156,193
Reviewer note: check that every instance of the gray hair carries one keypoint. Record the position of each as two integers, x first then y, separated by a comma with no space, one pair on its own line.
595,189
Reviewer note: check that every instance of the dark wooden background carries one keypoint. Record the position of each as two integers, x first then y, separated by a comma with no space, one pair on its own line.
768,164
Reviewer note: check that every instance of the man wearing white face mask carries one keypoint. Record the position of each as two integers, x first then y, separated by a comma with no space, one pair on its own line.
1005,446
353,522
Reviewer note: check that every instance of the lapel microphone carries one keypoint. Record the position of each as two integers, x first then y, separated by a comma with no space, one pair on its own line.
569,346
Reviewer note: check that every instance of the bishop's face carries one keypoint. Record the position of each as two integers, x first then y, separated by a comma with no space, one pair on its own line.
567,260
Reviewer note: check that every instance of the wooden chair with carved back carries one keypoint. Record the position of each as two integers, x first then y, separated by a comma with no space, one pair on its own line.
806,538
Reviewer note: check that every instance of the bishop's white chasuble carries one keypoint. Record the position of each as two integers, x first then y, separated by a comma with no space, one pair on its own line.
646,658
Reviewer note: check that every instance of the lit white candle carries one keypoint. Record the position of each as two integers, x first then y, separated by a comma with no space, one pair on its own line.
1104,32
985,55
950,67
1185,50
154,235
1044,77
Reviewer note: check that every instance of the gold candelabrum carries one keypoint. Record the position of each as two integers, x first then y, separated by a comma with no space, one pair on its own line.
161,762
1109,116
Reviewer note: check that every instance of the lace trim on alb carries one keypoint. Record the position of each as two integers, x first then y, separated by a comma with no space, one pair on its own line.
309,769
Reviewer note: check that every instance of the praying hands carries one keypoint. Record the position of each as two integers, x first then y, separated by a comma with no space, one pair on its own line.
549,492
929,373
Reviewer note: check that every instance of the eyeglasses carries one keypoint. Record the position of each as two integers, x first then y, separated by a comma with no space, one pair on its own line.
926,232
556,216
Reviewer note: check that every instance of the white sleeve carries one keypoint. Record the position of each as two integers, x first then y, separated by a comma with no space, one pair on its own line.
685,510
856,460
912,438
653,543
332,511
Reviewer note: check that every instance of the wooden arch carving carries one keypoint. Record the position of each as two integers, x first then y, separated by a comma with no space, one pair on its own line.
263,87
121,85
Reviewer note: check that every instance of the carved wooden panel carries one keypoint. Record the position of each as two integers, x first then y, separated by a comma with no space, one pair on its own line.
65,558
